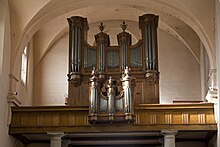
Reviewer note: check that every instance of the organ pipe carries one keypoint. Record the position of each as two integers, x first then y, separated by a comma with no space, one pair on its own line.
78,27
124,41
102,41
148,25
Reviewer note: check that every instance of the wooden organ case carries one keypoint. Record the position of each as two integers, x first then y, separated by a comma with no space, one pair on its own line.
112,80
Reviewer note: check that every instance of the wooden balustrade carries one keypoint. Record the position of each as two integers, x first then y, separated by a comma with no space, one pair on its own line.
175,114
149,117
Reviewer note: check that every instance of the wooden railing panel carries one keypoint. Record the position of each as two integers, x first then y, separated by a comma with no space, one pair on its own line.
148,117
28,117
175,114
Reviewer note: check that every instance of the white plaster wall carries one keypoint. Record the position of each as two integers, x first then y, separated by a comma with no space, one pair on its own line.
204,11
2,26
25,91
5,50
179,73
217,28
23,15
50,75
22,11
30,75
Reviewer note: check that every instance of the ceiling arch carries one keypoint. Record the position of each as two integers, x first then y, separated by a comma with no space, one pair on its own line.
112,25
55,8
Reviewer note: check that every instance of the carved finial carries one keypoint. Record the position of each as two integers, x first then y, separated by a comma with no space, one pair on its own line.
101,27
123,26
94,72
127,70
110,79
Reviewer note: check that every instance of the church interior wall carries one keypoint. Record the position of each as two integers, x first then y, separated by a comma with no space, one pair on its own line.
217,37
179,73
25,90
5,52
50,75
43,77
205,8
204,71
194,14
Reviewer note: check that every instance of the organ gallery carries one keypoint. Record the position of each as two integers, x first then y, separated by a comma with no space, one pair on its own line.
113,96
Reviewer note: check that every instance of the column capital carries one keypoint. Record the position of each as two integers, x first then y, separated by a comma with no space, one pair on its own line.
169,133
55,138
169,137
78,21
56,135
148,19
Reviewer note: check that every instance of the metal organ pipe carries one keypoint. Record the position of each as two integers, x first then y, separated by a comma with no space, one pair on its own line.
102,57
102,41
111,98
124,41
79,52
128,85
94,96
78,28
148,25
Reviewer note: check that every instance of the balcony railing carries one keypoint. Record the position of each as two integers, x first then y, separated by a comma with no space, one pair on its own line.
149,117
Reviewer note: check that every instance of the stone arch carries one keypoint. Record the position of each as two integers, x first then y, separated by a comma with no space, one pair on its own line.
163,26
54,9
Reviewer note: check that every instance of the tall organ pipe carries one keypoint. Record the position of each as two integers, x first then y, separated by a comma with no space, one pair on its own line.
78,27
148,25
124,41
102,41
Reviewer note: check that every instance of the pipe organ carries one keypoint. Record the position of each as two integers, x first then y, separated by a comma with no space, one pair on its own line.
118,86
122,76
78,28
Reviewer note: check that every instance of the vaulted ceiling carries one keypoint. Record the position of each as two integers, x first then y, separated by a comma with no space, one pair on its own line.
46,21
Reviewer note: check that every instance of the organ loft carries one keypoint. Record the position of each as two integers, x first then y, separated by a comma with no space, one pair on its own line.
113,97
120,77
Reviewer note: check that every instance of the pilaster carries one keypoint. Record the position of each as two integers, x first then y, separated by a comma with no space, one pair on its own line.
217,33
12,97
169,138
55,138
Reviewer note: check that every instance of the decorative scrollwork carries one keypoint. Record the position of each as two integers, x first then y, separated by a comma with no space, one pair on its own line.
75,78
151,77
